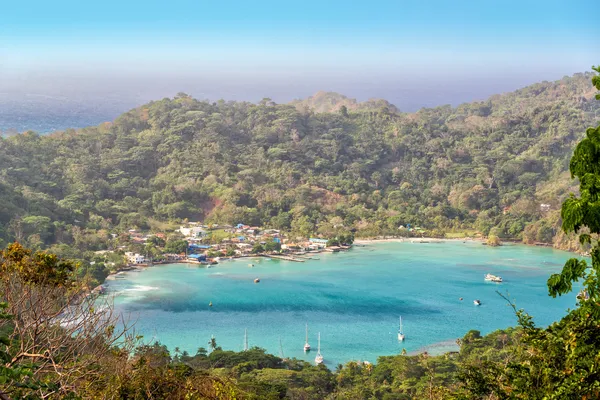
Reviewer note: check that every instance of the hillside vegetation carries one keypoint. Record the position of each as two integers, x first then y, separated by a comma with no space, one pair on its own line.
483,166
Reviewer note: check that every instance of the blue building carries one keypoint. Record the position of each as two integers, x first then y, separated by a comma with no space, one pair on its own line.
194,248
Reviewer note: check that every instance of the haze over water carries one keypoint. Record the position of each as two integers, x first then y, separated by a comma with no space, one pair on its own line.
354,299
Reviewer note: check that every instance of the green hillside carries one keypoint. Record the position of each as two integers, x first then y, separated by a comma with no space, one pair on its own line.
485,166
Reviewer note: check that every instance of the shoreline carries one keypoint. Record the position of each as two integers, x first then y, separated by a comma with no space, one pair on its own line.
365,241
415,240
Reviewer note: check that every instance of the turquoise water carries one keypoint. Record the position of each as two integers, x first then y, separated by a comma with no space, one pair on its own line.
354,299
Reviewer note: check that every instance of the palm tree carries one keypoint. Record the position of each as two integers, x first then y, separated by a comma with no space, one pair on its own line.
212,343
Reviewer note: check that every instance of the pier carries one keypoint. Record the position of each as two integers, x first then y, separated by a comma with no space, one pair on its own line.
280,257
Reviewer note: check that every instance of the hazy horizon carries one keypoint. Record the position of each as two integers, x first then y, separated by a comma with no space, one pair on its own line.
113,56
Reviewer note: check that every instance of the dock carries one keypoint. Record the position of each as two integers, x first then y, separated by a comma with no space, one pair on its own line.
280,257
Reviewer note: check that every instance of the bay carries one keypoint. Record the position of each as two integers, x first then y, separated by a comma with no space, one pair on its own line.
352,298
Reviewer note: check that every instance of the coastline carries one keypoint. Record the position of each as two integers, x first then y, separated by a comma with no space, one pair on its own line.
415,240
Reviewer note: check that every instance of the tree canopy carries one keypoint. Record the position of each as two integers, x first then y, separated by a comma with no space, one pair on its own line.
497,167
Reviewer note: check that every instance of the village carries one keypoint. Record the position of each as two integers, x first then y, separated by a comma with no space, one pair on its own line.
207,245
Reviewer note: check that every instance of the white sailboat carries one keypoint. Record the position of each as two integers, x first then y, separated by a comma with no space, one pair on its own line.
306,345
400,333
319,357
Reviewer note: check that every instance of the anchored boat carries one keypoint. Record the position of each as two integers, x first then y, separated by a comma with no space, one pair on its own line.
319,357
306,345
400,333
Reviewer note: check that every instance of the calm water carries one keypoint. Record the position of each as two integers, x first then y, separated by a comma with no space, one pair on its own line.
353,298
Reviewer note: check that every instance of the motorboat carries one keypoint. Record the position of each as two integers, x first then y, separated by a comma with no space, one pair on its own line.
477,302
256,280
493,278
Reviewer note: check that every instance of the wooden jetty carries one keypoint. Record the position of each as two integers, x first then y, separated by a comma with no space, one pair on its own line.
281,257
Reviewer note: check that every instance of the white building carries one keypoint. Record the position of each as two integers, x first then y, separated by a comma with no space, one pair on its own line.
195,232
135,258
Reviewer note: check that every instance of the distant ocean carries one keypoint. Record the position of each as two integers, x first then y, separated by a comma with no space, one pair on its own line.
44,114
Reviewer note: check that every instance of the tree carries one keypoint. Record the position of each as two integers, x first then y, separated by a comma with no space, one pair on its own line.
176,246
212,343
272,246
56,335
156,241
583,211
493,240
258,248
561,361
344,111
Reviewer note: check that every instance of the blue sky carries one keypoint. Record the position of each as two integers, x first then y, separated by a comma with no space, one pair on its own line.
413,53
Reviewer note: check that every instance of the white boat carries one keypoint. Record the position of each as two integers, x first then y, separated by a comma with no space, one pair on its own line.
306,345
319,357
493,278
400,333
477,302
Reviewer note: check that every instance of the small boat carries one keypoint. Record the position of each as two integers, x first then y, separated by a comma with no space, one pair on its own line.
306,345
210,304
477,302
319,357
461,299
401,335
256,280
493,278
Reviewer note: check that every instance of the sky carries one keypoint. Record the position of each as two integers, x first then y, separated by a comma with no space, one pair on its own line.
412,53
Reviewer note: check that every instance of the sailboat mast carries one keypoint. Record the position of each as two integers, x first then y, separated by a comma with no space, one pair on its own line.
280,348
246,339
306,333
319,345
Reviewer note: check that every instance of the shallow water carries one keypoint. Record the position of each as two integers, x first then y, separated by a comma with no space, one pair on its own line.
353,298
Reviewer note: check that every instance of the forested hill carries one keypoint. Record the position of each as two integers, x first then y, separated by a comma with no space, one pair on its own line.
481,166
332,102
